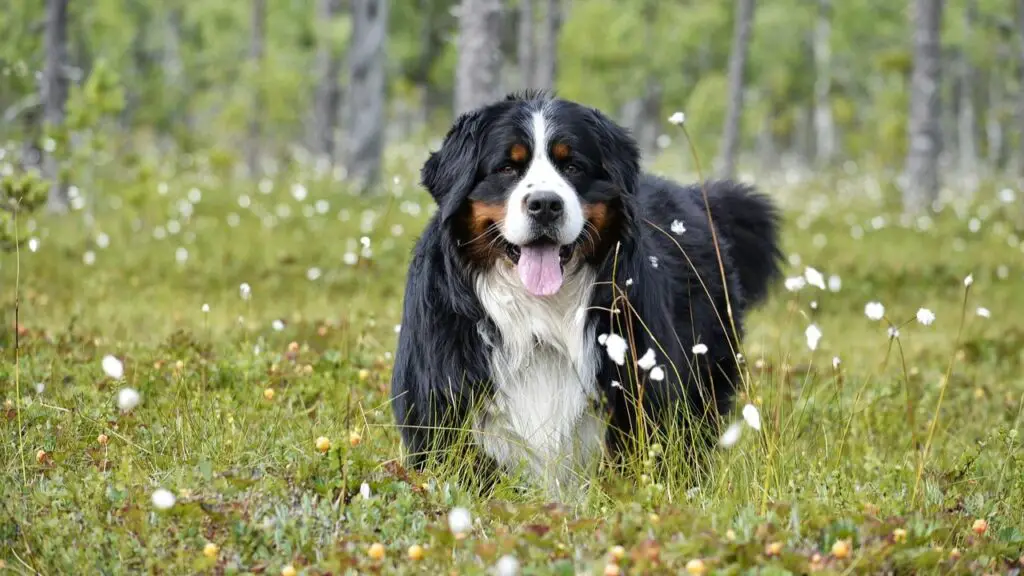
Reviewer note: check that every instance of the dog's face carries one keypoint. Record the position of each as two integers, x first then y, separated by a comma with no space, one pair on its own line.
535,183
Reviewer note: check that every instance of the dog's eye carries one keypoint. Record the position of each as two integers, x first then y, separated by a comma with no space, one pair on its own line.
508,170
573,170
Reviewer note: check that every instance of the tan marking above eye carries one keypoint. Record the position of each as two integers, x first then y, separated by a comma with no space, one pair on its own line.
518,153
561,151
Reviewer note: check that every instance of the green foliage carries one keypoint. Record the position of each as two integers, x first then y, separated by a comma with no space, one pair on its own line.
20,197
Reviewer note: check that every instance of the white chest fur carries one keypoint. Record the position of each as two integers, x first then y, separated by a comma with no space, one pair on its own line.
544,372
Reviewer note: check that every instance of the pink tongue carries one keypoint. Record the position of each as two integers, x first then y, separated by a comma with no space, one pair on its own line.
540,269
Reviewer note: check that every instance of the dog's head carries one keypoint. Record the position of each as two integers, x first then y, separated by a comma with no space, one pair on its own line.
536,183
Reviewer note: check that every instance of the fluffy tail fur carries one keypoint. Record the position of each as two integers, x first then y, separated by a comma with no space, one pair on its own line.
750,222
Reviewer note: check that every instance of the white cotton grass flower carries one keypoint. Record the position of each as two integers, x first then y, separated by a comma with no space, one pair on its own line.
677,119
731,435
835,283
113,367
813,334
127,399
615,346
206,308
894,332
277,325
752,417
245,291
699,349
969,280
364,491
163,499
646,362
678,227
835,362
874,310
814,278
459,521
925,316
983,312
507,565
657,374
795,284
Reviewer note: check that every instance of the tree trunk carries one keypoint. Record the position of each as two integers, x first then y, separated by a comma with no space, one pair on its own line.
367,92
921,170
478,71
1020,92
257,38
55,94
547,57
824,123
993,122
966,123
737,63
327,95
525,48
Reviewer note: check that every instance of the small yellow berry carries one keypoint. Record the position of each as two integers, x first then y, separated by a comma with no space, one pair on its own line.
773,549
899,535
415,552
730,535
307,369
102,439
696,567
210,550
179,365
612,569
8,404
293,347
841,549
41,456
376,551
323,444
288,570
617,553
980,526
654,518
268,393
954,554
354,438
364,374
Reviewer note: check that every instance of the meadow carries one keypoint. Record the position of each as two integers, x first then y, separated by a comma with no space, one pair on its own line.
257,320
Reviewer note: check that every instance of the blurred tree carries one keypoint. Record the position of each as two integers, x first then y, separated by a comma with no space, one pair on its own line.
546,60
966,124
54,87
737,63
526,53
478,73
327,98
921,170
824,124
367,92
257,41
1020,92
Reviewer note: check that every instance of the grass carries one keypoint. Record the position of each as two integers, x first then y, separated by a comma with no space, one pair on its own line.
862,453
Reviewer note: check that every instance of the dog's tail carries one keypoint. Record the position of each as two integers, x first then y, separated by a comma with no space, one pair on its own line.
750,223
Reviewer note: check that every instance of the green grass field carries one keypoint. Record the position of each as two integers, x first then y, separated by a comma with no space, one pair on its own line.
879,465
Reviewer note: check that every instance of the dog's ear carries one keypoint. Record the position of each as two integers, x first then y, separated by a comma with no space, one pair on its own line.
620,155
450,173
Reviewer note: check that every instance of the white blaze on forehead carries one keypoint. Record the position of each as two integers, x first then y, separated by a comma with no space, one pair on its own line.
541,176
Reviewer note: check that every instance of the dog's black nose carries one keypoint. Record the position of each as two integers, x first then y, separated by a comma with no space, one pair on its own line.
544,207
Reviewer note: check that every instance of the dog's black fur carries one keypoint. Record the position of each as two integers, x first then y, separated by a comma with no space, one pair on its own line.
441,366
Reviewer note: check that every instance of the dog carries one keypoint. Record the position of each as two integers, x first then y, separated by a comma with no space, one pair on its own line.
559,300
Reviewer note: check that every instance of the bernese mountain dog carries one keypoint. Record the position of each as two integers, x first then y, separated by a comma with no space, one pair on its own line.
559,301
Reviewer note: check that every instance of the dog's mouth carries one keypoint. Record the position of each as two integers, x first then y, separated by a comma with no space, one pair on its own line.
540,264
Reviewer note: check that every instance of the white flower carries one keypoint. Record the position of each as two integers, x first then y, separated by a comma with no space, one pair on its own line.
813,334
699,349
677,118
657,374
969,280
508,565
277,325
835,362
398,328
459,521
1006,196
364,491
615,346
313,273
752,416
814,278
127,399
983,312
834,283
33,244
874,310
731,435
795,283
646,362
894,332
925,316
162,499
244,290
678,227
113,367
299,192
206,307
